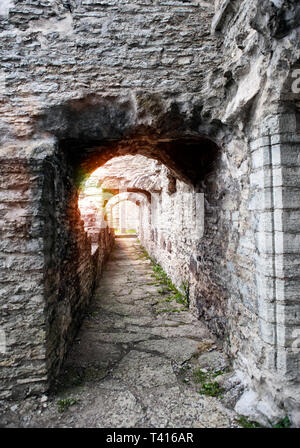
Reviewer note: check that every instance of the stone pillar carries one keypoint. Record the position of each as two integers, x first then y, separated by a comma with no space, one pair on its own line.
22,319
122,216
275,182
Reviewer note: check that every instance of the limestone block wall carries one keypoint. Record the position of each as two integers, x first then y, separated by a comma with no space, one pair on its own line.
22,319
51,56
72,267
267,111
47,269
274,182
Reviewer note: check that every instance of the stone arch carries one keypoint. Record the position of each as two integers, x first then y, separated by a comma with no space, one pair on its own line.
92,130
189,157
50,143
136,198
62,163
140,198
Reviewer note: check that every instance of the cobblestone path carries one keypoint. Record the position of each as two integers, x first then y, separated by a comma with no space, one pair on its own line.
133,363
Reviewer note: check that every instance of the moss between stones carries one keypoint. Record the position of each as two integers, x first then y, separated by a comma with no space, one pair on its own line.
244,422
167,285
63,405
208,386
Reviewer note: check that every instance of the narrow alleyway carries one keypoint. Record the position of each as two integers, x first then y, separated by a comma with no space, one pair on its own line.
139,360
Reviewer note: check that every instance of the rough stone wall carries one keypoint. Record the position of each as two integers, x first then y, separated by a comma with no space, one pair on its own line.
73,265
47,270
70,268
51,56
23,360
254,87
226,266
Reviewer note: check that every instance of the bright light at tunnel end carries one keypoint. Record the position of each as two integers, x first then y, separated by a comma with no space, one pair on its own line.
190,208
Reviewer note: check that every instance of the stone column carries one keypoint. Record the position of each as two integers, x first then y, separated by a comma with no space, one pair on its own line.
275,182
122,216
22,318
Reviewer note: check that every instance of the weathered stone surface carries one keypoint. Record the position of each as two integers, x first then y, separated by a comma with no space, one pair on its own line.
178,349
118,381
82,84
105,411
175,408
141,369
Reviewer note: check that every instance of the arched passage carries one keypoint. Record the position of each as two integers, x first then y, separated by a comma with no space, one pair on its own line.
123,212
125,217
215,263
189,163
155,105
189,160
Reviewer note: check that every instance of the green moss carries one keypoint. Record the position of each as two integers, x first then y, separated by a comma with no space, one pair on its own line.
168,310
186,293
205,379
211,389
220,372
245,423
63,405
200,376
283,423
80,177
167,285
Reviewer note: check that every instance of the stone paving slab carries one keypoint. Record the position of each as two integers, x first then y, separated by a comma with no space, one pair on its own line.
132,363
144,370
178,349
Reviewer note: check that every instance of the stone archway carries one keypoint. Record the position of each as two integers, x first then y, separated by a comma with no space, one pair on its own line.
55,170
65,278
137,199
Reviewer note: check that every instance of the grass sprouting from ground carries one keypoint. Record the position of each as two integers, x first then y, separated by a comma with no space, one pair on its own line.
244,422
283,423
211,389
208,385
167,288
63,405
